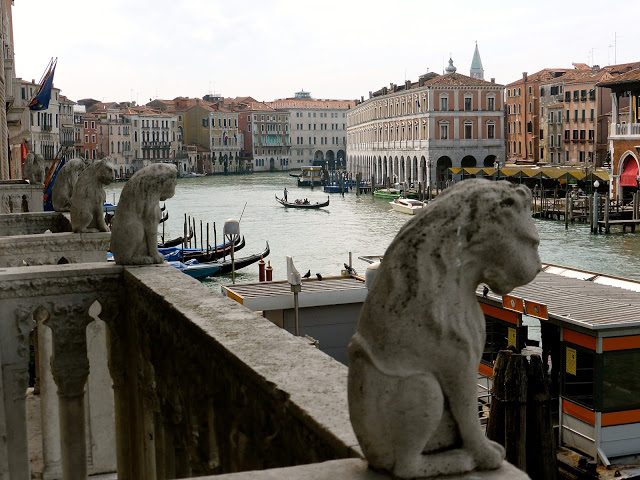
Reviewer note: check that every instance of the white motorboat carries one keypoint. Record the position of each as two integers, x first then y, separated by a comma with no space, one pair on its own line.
407,205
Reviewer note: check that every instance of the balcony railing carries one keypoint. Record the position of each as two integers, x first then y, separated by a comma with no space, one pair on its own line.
197,390
626,129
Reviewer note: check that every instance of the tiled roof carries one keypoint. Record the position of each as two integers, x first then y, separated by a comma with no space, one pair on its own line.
542,76
457,79
311,103
632,76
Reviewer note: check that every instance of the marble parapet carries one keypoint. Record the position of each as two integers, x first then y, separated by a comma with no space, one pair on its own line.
53,248
17,196
356,469
33,222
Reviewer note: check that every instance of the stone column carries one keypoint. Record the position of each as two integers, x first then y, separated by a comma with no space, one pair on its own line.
615,111
4,147
70,368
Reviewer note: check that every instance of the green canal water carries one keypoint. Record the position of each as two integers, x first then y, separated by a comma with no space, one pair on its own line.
320,240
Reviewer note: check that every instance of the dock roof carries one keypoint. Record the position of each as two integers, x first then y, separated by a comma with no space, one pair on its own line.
583,299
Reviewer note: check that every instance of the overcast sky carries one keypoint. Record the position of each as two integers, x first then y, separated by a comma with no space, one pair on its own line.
142,49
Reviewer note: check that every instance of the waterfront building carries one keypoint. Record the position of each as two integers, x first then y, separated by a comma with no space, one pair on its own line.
522,105
318,129
79,111
265,132
415,132
118,135
154,136
67,137
226,139
624,133
41,129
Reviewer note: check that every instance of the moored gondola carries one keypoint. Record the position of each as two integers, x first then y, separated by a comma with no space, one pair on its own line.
198,270
301,204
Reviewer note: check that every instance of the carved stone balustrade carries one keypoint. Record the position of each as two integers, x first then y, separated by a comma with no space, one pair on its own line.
64,298
53,248
19,196
25,247
33,222
202,386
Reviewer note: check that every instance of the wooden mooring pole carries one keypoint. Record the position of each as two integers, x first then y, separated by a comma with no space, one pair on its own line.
515,417
606,214
567,199
520,414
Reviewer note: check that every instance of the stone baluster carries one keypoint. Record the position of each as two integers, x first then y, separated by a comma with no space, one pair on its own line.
15,379
70,368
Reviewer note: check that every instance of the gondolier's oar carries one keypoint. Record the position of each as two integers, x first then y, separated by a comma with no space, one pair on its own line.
245,206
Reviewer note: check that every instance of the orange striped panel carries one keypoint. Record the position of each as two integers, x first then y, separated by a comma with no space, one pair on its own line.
513,303
500,313
579,339
538,310
581,413
621,343
485,370
235,296
620,418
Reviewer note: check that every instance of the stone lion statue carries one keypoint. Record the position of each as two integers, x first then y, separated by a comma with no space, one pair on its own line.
88,198
134,228
413,361
65,181
33,168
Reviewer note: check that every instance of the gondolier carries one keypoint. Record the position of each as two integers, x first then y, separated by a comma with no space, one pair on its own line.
285,194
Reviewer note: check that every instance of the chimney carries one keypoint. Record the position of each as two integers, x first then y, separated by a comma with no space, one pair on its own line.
493,80
362,99
407,84
370,94
524,76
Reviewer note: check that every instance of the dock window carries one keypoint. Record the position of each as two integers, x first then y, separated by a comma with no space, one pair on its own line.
578,374
620,381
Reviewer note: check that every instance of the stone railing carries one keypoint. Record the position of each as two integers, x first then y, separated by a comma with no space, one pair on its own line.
202,386
19,196
34,222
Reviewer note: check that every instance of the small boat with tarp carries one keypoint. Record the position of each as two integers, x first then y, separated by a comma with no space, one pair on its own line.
198,270
409,206
302,203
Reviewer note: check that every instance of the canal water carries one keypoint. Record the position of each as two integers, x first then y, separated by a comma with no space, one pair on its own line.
320,240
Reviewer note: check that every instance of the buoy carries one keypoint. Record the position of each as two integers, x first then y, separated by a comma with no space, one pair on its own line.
261,265
269,272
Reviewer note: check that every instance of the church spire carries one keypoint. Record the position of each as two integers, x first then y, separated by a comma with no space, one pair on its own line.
476,65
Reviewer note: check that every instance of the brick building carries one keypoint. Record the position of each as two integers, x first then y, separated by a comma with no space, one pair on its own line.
624,133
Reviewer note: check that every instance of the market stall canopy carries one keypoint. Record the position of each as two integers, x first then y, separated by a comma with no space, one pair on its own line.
555,173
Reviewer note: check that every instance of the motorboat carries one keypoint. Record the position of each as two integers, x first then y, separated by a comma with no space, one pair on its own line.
409,206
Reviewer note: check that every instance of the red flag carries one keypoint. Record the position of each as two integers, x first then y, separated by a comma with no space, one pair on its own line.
24,150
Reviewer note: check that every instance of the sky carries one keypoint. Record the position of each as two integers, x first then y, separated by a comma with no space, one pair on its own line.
138,50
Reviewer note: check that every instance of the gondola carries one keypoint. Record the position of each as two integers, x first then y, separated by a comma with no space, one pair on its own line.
177,253
176,241
208,269
302,205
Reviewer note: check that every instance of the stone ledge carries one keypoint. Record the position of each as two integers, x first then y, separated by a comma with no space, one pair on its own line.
280,364
355,469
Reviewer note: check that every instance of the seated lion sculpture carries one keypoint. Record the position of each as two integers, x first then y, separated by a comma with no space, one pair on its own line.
65,182
413,361
33,168
88,198
134,228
